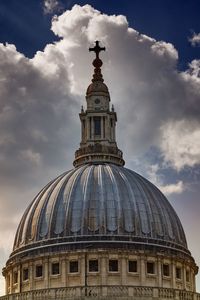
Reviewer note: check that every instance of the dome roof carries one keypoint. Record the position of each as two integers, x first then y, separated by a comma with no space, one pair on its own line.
97,87
100,203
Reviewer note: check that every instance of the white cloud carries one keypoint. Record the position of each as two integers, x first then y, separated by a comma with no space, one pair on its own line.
51,6
31,156
154,175
194,70
181,143
175,188
195,39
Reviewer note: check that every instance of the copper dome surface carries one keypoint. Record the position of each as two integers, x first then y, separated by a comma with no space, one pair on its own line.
102,202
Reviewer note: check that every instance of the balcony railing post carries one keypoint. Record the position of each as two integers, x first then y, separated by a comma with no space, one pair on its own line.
156,293
104,291
130,291
30,296
177,295
194,296
78,292
52,294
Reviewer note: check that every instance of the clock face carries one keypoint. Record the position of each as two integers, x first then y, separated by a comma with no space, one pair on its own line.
97,101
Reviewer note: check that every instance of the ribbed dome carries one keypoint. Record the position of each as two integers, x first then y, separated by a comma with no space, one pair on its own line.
101,202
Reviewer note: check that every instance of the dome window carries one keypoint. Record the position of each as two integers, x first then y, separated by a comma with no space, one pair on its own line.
187,275
73,266
132,266
93,265
150,268
178,273
165,269
113,265
25,274
15,277
55,268
38,271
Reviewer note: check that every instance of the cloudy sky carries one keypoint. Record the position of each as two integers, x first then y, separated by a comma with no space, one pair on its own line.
152,69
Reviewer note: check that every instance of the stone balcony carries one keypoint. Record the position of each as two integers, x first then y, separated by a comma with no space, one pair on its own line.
98,153
104,293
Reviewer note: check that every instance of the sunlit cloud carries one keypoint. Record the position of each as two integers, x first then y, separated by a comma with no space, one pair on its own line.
195,39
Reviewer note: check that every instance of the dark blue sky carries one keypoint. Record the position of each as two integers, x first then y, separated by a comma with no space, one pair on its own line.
24,24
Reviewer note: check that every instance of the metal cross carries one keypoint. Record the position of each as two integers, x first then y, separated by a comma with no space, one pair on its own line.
97,49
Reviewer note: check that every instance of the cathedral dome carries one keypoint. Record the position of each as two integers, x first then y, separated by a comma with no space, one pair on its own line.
100,204
100,230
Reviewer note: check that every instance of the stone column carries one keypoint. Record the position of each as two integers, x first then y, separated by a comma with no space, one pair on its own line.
11,281
107,128
82,131
142,270
63,272
83,268
193,281
6,283
87,129
46,273
103,262
173,274
31,275
114,130
103,273
184,276
102,127
19,287
123,262
92,127
159,273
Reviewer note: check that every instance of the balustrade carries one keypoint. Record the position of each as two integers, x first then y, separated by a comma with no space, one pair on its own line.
104,293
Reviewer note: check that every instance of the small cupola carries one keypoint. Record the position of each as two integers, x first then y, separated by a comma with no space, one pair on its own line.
98,122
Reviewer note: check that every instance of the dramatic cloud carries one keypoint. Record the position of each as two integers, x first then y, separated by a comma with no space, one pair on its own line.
140,71
40,98
181,143
153,172
194,70
195,39
176,188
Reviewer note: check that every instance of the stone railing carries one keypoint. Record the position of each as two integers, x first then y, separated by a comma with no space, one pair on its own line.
97,153
104,293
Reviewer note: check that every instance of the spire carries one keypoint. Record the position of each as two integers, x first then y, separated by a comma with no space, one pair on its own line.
97,62
98,122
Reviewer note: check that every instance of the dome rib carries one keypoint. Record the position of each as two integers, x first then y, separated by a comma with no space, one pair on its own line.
101,203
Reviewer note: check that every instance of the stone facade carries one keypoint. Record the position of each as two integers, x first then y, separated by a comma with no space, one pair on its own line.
100,268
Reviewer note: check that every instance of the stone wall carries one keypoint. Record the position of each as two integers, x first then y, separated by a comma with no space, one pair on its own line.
83,276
